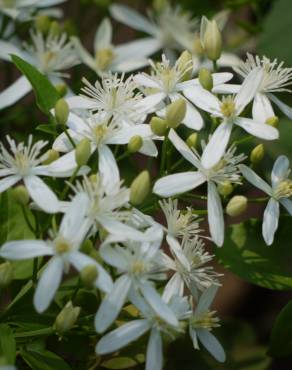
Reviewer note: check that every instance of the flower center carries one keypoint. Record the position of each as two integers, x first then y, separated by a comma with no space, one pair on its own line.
206,320
228,106
47,59
99,133
284,189
22,163
138,267
104,58
62,245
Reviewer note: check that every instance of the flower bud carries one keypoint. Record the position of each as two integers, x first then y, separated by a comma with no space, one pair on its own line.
212,40
185,65
140,188
55,29
103,233
83,152
175,113
88,276
6,274
61,89
61,112
257,154
236,206
42,23
158,126
20,194
206,79
51,155
225,188
197,46
66,318
159,5
192,140
273,121
135,144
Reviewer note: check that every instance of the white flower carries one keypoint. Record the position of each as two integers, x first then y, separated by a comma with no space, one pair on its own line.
229,110
121,58
51,55
63,249
23,163
131,331
280,192
225,169
167,81
201,324
188,264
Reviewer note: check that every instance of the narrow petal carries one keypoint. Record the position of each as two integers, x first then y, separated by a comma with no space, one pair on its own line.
63,167
262,108
204,100
174,286
271,220
149,148
79,102
14,92
282,106
226,89
280,170
212,345
124,135
149,103
108,168
215,215
8,182
122,336
143,79
206,300
176,249
287,203
25,249
154,354
142,48
114,257
48,284
221,77
261,130
255,180
103,35
184,150
83,53
63,144
7,48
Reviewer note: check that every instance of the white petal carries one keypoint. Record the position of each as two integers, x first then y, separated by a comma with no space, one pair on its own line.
174,286
287,203
41,194
255,180
221,77
7,48
215,215
103,36
122,336
83,53
8,182
271,220
212,345
206,299
282,106
129,65
134,49
108,168
178,183
111,305
25,249
154,354
62,167
79,102
176,249
150,102
216,146
63,144
14,92
261,130
262,108
149,148
48,284
124,135
143,79
182,147
226,89
114,257
204,100
280,169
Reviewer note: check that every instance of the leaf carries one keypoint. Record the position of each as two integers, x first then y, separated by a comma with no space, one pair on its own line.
119,363
48,128
44,360
266,266
281,336
7,344
46,94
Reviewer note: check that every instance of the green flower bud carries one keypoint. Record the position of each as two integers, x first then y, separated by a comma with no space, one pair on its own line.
135,144
69,28
158,126
273,121
257,154
6,274
206,79
236,206
62,112
192,140
88,276
55,29
225,188
87,246
175,113
67,318
140,188
51,156
42,23
185,63
20,194
83,152
61,89
103,233
197,46
211,39
159,5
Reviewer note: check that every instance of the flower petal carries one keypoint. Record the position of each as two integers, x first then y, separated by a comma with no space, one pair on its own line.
212,345
262,108
174,286
176,249
280,170
142,48
282,106
215,215
103,35
261,130
184,150
145,80
25,249
271,220
108,168
254,179
124,135
206,300
8,48
8,182
83,53
149,148
287,203
14,92
226,89
204,100
154,354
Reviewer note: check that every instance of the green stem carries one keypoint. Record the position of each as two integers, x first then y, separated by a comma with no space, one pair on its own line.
215,66
72,178
35,270
163,155
34,333
70,138
245,139
258,200
32,229
123,156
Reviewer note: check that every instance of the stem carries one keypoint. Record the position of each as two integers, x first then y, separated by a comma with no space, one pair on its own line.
35,270
78,285
258,200
69,138
215,67
163,155
27,220
123,156
72,178
245,139
34,333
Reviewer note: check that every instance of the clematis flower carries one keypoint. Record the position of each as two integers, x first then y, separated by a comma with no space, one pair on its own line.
279,193
63,248
202,322
121,58
225,169
229,110
168,82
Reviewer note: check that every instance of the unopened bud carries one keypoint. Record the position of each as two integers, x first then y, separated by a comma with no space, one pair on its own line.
83,152
273,121
185,65
236,206
192,140
103,233
55,29
225,188
159,5
6,274
158,126
51,156
61,112
61,89
257,154
89,275
197,46
42,23
20,194
175,113
135,144
140,188
206,79
212,40
67,318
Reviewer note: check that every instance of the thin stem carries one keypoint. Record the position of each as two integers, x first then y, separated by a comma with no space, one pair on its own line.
32,229
258,200
163,155
123,156
72,178
34,333
35,270
69,138
215,66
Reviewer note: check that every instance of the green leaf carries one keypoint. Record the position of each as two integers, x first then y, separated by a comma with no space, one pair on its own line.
281,336
47,128
119,363
254,261
44,360
7,344
46,94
